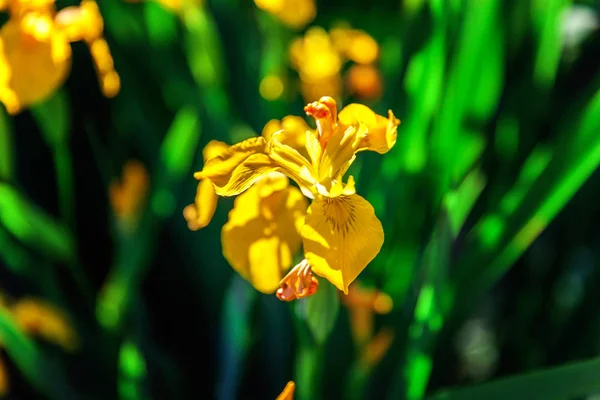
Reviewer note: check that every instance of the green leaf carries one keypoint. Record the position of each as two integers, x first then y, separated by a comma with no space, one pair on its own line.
160,23
53,116
32,226
575,380
322,311
43,373
6,147
235,335
459,202
550,178
180,144
203,47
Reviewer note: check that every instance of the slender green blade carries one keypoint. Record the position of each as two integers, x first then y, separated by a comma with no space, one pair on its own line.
566,382
32,226
43,373
322,311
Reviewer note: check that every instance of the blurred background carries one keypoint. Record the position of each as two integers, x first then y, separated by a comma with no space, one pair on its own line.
486,286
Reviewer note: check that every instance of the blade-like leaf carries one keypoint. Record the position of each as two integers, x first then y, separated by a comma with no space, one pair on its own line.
44,375
322,311
566,382
32,226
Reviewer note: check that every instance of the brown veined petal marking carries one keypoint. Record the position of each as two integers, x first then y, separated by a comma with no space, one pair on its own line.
341,236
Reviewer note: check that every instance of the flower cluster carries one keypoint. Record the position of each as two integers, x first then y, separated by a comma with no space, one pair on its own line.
339,230
35,52
319,56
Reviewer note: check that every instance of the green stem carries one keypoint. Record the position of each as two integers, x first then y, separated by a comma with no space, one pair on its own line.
63,163
309,363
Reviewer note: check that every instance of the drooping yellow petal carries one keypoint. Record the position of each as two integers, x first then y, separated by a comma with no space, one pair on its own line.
288,392
37,59
262,233
341,236
238,167
381,132
199,214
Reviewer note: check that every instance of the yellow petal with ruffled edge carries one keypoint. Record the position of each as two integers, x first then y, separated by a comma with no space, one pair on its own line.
341,236
237,168
262,233
37,59
381,132
213,149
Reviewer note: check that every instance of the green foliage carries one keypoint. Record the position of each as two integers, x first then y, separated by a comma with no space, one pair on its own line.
488,202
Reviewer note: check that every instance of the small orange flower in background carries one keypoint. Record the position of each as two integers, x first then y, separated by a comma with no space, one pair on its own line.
35,51
318,57
38,318
362,305
288,392
128,196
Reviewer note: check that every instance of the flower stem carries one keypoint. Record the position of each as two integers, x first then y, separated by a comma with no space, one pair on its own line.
63,163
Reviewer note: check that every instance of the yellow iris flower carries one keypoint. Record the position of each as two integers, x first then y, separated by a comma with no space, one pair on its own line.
35,52
263,231
341,233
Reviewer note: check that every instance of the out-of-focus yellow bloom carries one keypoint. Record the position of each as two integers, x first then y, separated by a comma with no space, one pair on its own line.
318,57
4,382
318,63
341,234
362,305
294,13
377,348
39,318
35,52
128,196
200,213
355,45
364,81
175,6
288,392
271,87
